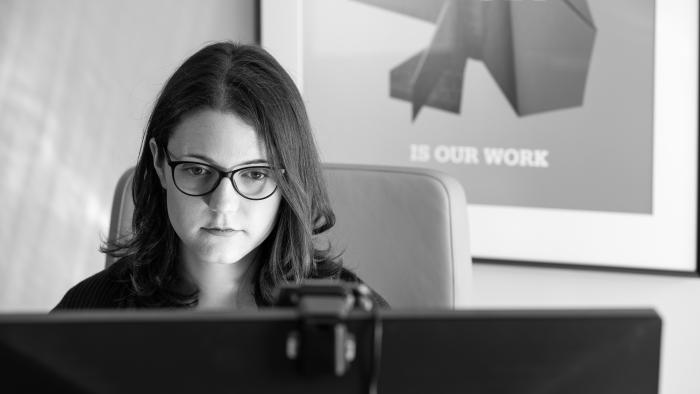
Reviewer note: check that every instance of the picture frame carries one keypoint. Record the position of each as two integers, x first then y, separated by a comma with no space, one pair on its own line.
642,217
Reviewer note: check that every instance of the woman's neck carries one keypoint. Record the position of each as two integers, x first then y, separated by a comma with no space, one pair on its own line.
222,286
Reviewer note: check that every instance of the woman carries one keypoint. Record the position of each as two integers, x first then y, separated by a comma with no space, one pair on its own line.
228,193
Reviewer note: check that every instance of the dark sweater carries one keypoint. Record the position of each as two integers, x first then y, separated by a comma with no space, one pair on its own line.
111,289
103,290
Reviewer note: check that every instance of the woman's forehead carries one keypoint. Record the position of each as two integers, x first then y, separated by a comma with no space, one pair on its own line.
222,137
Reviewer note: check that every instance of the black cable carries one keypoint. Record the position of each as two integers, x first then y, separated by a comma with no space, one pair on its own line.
377,332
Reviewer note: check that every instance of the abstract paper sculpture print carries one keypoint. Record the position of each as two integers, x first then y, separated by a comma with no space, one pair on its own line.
537,51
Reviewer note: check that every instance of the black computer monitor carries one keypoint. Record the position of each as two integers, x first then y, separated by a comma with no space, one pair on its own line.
470,351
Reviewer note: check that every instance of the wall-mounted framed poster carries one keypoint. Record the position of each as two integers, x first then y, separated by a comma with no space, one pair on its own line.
572,124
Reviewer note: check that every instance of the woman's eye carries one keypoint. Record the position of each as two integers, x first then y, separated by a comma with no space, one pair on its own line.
197,171
255,175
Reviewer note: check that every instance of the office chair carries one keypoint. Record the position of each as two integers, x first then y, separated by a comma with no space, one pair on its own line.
403,231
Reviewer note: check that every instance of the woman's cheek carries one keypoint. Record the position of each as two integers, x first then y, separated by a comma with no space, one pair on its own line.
183,213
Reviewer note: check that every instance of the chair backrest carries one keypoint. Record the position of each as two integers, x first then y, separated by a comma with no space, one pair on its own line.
404,231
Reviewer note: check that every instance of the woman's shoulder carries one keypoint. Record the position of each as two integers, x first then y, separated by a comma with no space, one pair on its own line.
103,290
349,276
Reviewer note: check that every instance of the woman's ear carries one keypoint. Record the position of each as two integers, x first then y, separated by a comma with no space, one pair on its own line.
157,161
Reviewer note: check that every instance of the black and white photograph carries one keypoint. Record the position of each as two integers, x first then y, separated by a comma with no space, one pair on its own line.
349,196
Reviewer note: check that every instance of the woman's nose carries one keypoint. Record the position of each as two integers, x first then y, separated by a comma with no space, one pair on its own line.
225,198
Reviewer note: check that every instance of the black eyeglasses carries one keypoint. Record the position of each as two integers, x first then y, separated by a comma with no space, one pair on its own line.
256,182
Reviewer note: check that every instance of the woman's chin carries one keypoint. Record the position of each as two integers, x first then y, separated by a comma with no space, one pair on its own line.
227,257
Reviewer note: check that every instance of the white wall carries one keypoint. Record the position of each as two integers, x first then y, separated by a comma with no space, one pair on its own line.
676,299
77,82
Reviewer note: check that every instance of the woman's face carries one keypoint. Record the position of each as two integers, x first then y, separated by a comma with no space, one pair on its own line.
220,227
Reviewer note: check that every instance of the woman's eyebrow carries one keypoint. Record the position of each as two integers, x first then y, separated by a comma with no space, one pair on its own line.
209,160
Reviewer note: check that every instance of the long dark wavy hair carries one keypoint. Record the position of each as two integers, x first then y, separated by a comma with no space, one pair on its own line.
247,81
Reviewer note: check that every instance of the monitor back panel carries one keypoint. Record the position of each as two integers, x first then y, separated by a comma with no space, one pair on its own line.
420,352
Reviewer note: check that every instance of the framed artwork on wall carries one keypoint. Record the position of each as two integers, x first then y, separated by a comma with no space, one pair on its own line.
571,124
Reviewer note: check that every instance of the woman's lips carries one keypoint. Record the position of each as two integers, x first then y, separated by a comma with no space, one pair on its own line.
220,232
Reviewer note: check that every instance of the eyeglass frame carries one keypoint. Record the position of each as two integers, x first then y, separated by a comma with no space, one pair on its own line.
222,174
